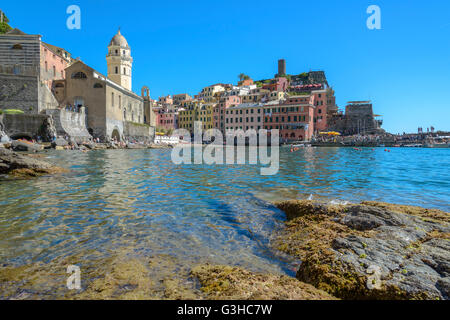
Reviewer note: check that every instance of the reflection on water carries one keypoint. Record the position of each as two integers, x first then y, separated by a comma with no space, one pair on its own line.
138,201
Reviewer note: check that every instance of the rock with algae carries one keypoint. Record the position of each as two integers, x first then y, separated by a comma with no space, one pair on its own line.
233,283
370,250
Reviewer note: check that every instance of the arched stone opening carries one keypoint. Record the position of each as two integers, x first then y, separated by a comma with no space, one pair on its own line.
116,135
145,92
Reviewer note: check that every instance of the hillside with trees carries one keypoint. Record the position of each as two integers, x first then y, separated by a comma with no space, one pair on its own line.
4,23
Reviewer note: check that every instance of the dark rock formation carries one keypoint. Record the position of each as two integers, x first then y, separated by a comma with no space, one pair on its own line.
22,165
48,130
370,251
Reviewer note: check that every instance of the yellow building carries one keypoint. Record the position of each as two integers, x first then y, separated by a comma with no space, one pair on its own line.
277,95
205,115
193,111
256,95
210,94
187,115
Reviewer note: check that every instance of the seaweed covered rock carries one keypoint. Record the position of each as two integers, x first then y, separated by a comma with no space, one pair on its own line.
371,250
23,165
226,282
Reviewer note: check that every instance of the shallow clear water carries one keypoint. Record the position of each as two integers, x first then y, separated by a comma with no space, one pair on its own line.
138,200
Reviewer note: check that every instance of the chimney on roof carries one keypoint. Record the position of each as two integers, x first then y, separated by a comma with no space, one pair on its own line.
281,67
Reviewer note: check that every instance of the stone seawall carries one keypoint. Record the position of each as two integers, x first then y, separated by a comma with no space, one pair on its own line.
19,92
53,123
23,125
139,132
72,124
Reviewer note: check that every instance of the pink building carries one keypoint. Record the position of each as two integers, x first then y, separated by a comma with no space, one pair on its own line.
53,65
219,111
244,117
277,84
324,101
167,119
294,118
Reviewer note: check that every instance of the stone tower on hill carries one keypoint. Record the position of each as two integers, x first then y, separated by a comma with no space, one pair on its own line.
119,61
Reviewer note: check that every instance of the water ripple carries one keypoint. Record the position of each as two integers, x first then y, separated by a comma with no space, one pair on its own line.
138,199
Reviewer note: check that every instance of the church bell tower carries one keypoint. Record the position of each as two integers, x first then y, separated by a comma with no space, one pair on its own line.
119,61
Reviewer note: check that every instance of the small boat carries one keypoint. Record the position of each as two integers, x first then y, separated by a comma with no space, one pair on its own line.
301,145
437,142
413,145
437,145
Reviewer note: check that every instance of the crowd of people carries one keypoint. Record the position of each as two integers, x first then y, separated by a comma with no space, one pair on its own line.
355,139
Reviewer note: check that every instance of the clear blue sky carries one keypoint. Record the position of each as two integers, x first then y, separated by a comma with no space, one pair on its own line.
182,46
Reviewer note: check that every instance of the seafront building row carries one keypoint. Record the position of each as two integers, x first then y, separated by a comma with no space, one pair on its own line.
43,81
298,106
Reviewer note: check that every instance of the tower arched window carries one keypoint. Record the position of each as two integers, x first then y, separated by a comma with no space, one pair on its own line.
117,70
79,75
125,71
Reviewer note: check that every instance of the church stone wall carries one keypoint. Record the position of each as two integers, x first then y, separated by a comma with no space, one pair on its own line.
111,126
139,132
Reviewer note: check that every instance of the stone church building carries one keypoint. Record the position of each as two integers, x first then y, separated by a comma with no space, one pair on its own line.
44,82
113,110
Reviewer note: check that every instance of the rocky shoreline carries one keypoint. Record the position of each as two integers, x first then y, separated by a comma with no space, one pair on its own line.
361,251
370,250
23,165
21,159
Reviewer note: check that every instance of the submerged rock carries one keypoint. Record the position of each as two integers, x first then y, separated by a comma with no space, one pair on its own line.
371,250
23,165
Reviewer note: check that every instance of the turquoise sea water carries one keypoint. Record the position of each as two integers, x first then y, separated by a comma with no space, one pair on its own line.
140,201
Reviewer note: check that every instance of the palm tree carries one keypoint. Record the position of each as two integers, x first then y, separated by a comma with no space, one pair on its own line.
241,76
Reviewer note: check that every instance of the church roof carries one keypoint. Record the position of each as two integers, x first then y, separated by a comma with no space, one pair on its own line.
119,40
16,31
